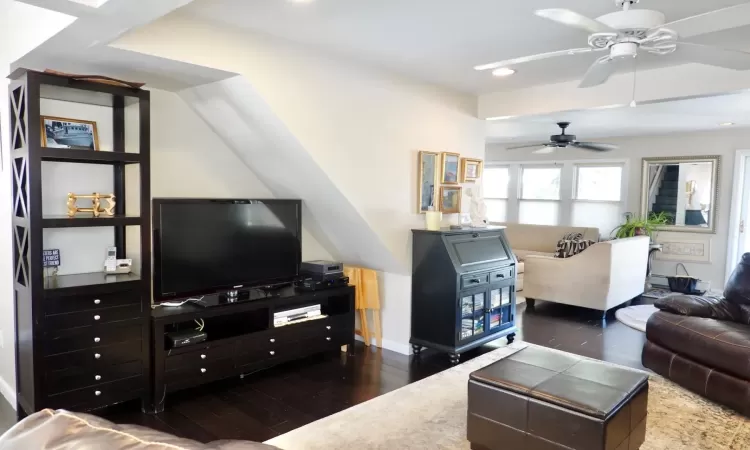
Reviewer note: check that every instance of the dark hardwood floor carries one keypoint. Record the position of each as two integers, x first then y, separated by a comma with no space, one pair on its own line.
278,400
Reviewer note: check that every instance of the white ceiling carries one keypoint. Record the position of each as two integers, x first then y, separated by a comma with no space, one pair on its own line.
686,115
439,41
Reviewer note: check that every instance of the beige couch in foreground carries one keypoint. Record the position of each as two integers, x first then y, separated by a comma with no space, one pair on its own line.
603,276
528,240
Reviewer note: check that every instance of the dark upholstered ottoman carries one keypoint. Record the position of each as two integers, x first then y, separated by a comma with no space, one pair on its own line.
540,399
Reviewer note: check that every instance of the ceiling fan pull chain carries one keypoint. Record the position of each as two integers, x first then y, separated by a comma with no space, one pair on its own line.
633,103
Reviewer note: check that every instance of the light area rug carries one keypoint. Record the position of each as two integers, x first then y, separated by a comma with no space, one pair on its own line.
636,316
431,414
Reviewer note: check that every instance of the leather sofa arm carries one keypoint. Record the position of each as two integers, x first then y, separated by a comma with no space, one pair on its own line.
698,306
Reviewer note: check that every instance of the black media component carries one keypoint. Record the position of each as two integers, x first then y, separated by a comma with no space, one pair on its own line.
321,267
463,289
205,246
178,339
319,282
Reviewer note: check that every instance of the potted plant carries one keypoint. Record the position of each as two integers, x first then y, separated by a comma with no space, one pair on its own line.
641,226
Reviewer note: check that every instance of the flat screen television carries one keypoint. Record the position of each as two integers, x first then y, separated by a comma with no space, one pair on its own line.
203,246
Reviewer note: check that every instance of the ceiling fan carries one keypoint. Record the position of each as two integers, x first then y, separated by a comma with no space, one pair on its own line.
563,140
624,33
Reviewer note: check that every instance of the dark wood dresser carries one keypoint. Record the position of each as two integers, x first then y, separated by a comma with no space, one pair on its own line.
463,289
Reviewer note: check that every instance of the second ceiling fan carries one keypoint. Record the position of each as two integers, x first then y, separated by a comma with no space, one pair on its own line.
622,35
564,140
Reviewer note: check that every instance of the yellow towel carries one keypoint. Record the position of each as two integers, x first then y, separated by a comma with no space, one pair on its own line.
366,282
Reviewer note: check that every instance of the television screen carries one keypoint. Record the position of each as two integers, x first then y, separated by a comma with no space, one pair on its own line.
201,246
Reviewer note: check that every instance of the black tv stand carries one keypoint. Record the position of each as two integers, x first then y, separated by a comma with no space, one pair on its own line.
242,338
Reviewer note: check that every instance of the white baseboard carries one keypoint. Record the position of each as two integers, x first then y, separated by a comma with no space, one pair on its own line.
8,393
398,347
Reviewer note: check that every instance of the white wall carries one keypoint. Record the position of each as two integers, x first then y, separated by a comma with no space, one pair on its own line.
22,27
724,143
362,126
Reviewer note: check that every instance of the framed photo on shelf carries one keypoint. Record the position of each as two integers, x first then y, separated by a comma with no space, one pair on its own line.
428,181
450,165
450,199
471,169
60,132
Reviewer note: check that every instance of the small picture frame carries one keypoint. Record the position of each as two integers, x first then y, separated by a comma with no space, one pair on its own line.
428,181
450,199
471,169
450,166
60,132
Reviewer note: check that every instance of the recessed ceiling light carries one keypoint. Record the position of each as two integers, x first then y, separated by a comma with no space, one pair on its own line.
503,72
499,118
726,124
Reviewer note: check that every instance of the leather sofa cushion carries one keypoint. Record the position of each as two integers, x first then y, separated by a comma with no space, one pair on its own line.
63,430
714,343
701,306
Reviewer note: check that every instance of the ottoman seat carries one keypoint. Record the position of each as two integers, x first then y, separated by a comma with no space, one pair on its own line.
543,399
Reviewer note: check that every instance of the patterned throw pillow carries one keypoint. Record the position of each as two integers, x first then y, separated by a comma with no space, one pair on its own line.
572,244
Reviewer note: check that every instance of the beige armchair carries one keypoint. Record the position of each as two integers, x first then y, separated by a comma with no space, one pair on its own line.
601,277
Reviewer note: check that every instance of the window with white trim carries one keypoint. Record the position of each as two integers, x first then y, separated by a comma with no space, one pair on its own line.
573,193
496,180
597,196
540,195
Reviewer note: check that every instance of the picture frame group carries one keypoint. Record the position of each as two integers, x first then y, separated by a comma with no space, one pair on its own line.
440,175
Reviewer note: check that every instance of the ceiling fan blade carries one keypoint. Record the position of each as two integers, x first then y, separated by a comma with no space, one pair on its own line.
525,59
712,56
721,19
521,147
575,20
595,146
545,150
599,72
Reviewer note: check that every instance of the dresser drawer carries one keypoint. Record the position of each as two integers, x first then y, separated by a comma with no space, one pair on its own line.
276,337
92,337
469,281
296,349
200,356
88,318
98,396
90,302
97,357
501,275
80,377
188,376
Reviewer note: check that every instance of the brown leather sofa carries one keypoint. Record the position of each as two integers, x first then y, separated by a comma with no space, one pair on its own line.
63,430
703,343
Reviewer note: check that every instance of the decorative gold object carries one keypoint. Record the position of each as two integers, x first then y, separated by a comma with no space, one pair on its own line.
96,207
471,169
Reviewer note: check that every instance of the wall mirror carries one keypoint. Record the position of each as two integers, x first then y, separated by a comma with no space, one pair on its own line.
428,181
685,189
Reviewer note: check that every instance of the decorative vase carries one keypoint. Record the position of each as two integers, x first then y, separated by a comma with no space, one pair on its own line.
433,219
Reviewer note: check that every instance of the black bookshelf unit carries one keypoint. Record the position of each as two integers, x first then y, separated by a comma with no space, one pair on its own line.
463,289
82,341
241,337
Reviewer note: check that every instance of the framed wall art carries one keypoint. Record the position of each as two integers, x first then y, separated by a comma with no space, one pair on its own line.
59,132
471,169
450,199
450,167
428,180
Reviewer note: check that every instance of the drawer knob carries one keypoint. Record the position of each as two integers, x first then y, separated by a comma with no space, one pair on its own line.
97,301
272,340
203,356
97,317
272,352
97,393
328,338
97,339
97,355
203,370
328,327
474,280
97,377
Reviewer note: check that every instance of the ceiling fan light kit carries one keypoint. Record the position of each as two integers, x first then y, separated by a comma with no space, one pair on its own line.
623,34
